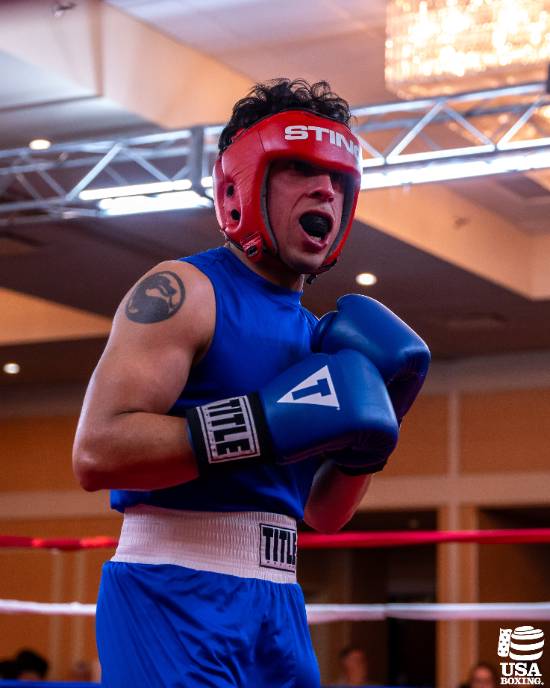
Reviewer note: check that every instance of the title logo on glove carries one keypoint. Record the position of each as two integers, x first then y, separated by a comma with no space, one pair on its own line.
228,430
317,389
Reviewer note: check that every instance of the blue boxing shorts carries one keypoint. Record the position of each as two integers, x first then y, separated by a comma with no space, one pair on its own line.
203,599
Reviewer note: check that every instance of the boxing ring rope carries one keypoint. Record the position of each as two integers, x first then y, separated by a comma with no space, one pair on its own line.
347,539
406,538
327,613
18,683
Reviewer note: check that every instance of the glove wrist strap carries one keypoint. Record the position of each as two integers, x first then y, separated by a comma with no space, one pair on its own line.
228,430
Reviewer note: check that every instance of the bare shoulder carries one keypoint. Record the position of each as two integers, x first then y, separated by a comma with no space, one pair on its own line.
164,289
173,300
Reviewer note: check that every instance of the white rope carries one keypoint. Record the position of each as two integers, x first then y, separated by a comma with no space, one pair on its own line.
326,613
52,608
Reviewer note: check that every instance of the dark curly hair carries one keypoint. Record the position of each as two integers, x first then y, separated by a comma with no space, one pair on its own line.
283,94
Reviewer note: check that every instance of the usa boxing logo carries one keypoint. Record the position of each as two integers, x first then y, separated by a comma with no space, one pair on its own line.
524,646
278,547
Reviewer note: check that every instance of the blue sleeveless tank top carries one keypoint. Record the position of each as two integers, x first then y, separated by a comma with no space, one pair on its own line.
261,330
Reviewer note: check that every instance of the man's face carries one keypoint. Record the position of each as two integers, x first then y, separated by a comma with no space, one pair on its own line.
355,667
304,204
482,678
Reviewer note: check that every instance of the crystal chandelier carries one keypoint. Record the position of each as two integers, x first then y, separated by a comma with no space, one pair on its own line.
445,46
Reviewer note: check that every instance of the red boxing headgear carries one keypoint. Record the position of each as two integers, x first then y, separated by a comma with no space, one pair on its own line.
241,172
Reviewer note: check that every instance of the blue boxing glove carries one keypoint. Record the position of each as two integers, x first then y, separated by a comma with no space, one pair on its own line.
325,402
399,354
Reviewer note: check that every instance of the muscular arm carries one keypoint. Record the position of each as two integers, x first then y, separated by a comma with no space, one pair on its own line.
334,497
124,438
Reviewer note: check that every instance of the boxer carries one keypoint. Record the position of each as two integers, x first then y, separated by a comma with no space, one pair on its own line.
222,412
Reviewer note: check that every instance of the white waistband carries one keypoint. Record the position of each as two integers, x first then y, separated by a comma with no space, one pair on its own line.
249,544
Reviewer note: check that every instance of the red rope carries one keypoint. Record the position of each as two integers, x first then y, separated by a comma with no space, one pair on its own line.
66,544
421,537
349,539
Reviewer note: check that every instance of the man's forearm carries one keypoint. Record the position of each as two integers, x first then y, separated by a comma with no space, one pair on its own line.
135,451
334,498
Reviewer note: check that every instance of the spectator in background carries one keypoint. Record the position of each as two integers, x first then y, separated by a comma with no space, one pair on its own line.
483,675
28,665
8,669
81,671
354,666
85,671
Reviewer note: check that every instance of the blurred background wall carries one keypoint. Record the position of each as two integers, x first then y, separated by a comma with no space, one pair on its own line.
472,455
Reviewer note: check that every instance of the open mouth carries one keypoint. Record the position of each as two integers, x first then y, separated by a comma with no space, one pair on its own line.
316,225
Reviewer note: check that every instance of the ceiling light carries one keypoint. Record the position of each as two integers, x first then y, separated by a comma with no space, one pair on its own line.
59,8
135,190
11,368
366,279
446,170
40,144
446,46
176,200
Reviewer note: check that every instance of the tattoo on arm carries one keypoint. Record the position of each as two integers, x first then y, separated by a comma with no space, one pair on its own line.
157,297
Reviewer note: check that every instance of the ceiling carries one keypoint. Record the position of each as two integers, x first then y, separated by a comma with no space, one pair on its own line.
341,41
37,103
457,306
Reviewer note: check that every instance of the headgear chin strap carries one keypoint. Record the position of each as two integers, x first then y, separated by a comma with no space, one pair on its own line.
241,171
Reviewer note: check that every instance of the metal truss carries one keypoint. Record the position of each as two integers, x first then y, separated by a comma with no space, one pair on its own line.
457,136
38,186
492,131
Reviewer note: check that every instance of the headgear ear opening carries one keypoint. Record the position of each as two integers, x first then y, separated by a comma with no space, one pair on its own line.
240,174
